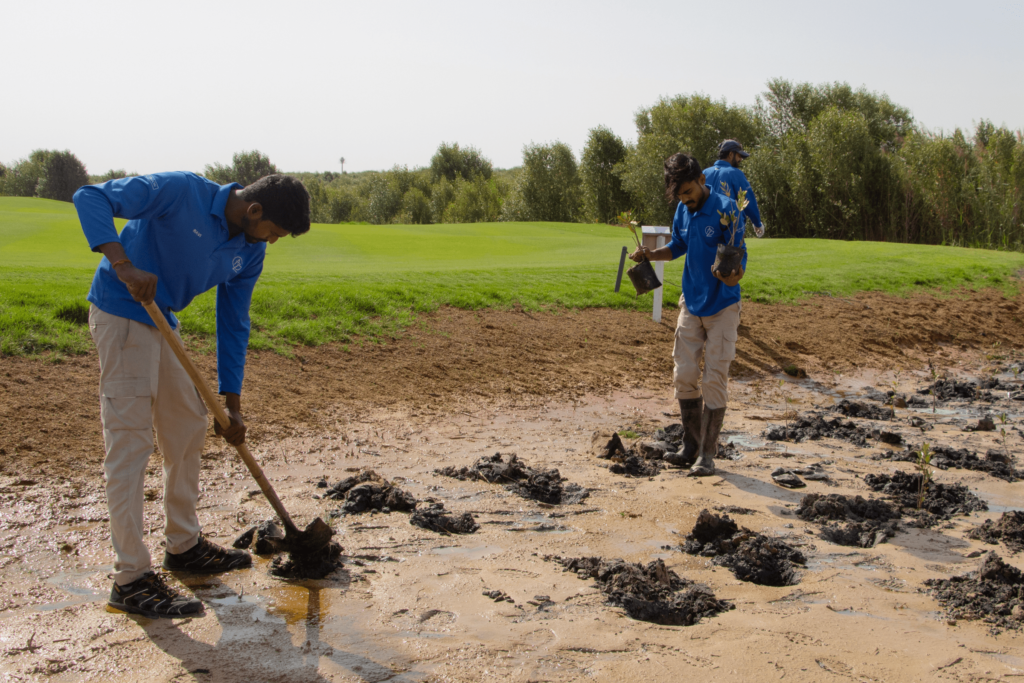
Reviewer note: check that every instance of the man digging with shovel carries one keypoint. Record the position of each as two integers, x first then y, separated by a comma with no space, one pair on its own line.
185,235
709,308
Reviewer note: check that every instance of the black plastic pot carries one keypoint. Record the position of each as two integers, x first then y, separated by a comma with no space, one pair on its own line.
643,277
729,259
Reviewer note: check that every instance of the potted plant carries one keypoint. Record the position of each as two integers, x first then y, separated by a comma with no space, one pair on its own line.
642,275
730,256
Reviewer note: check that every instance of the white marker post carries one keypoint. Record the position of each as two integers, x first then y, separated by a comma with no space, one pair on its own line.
655,237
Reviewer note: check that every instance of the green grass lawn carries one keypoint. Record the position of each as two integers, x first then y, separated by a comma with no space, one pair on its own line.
344,281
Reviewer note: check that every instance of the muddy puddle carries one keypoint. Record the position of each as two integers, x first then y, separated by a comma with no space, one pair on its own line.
412,603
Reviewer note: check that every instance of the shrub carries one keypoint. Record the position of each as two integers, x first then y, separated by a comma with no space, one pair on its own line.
62,175
245,169
450,161
547,187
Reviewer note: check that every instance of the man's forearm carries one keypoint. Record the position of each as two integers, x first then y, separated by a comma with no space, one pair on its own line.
660,254
113,251
233,402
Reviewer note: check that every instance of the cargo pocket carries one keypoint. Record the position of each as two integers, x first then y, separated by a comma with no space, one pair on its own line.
125,404
729,345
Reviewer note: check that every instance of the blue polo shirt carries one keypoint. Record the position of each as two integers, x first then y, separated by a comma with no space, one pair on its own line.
735,180
177,231
697,235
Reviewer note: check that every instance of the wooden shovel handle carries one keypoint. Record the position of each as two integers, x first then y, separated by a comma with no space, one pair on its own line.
219,413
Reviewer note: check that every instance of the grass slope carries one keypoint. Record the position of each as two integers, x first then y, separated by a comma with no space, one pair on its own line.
341,281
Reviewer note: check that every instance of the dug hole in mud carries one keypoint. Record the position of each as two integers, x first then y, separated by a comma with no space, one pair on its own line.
551,586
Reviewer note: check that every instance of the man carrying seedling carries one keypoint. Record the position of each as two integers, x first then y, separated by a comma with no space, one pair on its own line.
709,308
184,236
726,178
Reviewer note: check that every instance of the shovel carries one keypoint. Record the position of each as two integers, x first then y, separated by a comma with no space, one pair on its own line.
315,536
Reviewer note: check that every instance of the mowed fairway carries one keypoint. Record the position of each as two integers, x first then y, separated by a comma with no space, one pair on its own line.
344,281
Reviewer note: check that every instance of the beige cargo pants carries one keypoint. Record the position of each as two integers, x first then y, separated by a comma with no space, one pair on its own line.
142,386
714,337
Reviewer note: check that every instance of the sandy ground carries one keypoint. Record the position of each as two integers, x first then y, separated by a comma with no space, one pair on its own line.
408,604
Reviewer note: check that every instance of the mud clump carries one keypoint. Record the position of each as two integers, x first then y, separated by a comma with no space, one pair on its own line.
750,556
369,491
867,411
814,427
1009,529
993,594
952,390
546,486
866,523
941,501
650,592
635,466
436,518
944,458
314,565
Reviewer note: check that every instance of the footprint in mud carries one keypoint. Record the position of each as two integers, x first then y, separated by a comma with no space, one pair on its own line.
750,556
545,486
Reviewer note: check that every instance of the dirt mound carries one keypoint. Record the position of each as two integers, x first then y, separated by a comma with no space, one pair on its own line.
814,427
749,555
942,501
266,539
314,565
546,486
648,592
370,491
945,458
436,518
633,465
867,411
1009,529
869,522
993,594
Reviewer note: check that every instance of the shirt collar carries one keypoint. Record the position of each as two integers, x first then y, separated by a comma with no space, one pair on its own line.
722,163
220,202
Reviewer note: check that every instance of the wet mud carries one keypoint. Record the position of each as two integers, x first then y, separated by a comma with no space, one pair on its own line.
865,411
315,562
436,518
850,520
650,592
955,390
993,594
1009,530
814,427
750,556
941,501
546,486
944,458
369,491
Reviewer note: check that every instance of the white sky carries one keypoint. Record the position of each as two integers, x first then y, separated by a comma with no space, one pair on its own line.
149,86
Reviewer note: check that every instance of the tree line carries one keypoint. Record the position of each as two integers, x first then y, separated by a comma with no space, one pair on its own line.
827,161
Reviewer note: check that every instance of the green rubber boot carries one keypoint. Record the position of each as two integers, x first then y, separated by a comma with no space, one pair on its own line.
711,426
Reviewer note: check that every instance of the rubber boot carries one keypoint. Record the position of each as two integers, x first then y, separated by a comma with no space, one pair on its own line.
711,426
690,412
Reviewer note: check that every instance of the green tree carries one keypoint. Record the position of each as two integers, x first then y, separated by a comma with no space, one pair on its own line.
547,186
245,169
415,207
450,160
686,123
23,175
474,201
385,194
603,195
63,174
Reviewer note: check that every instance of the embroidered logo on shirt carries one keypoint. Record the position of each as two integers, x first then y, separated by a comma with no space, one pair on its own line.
236,263
198,234
709,231
152,182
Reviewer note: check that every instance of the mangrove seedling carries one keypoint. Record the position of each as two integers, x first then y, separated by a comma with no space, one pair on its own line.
924,467
730,256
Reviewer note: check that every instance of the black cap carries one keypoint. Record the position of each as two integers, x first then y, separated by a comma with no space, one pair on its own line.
732,146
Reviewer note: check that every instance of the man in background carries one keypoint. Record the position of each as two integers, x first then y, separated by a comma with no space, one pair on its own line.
725,177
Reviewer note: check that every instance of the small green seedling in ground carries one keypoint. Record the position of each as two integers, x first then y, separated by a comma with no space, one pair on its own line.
1003,420
629,434
895,384
923,465
935,378
786,400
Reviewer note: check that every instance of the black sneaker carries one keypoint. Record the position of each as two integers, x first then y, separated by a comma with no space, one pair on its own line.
207,558
150,596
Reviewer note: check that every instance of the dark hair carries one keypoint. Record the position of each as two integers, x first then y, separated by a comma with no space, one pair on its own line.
722,155
284,199
680,169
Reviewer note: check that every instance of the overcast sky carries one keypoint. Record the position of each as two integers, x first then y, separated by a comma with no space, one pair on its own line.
149,86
